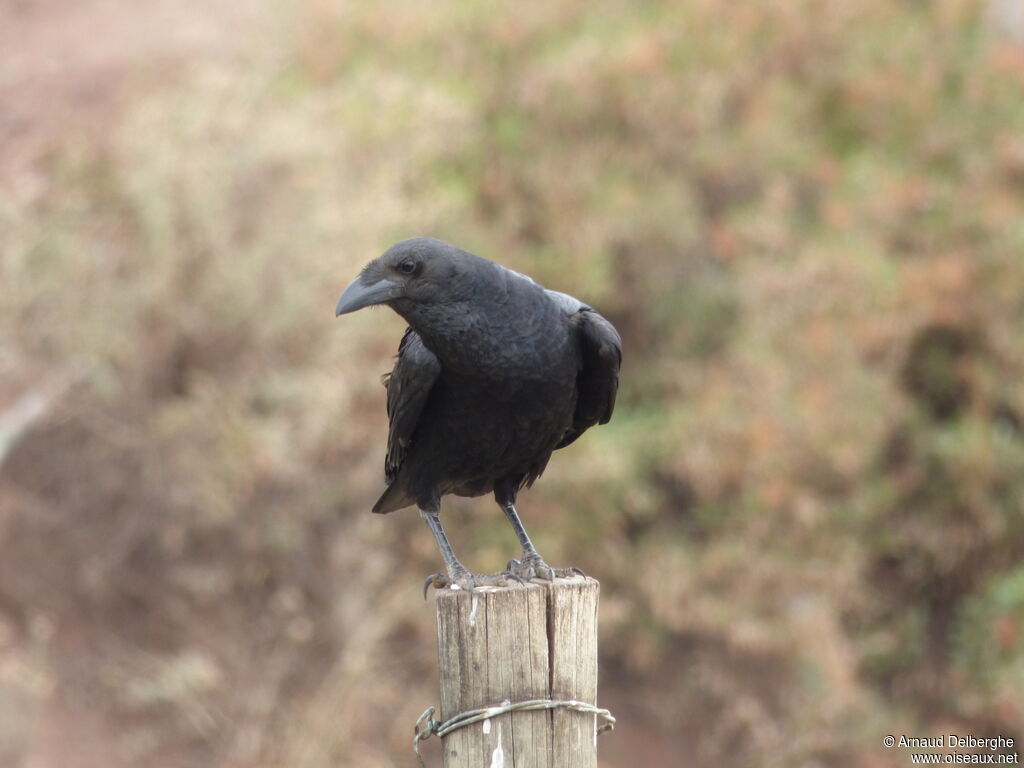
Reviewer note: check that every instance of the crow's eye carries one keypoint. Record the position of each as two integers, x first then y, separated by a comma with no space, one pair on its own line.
407,267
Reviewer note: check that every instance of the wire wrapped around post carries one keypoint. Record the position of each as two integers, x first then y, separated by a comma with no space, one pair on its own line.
426,726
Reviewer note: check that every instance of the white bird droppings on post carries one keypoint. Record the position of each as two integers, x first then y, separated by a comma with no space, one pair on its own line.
498,755
472,617
487,725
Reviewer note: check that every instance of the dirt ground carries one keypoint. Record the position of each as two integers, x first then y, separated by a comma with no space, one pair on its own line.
69,65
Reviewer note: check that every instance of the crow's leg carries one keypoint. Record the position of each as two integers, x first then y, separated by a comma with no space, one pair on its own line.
458,574
532,565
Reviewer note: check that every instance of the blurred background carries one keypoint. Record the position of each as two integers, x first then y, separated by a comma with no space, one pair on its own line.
805,217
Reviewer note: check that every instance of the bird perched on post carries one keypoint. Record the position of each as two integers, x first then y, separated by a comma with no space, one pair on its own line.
493,373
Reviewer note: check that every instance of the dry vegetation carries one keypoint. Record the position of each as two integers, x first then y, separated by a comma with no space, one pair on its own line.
805,217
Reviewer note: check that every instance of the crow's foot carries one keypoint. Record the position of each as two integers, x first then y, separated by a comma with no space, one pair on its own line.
463,579
534,567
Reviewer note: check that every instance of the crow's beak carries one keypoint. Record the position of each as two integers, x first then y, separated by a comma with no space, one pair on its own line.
360,294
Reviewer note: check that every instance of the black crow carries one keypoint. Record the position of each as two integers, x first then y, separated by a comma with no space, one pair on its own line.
493,373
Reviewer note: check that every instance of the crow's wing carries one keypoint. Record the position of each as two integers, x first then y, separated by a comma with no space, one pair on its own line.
600,357
409,385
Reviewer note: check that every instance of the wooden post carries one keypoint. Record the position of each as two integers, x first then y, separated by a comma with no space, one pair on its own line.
512,644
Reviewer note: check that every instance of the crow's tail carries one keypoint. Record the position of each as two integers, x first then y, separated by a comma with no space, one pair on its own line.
394,498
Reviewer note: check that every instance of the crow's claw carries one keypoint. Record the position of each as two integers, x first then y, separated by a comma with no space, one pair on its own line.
534,567
508,574
439,580
470,581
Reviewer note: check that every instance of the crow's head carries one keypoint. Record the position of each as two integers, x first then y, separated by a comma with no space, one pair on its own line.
417,271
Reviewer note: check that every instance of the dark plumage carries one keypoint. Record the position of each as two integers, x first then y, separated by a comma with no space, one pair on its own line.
493,374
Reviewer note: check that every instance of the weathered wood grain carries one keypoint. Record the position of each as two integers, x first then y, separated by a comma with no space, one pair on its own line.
534,641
